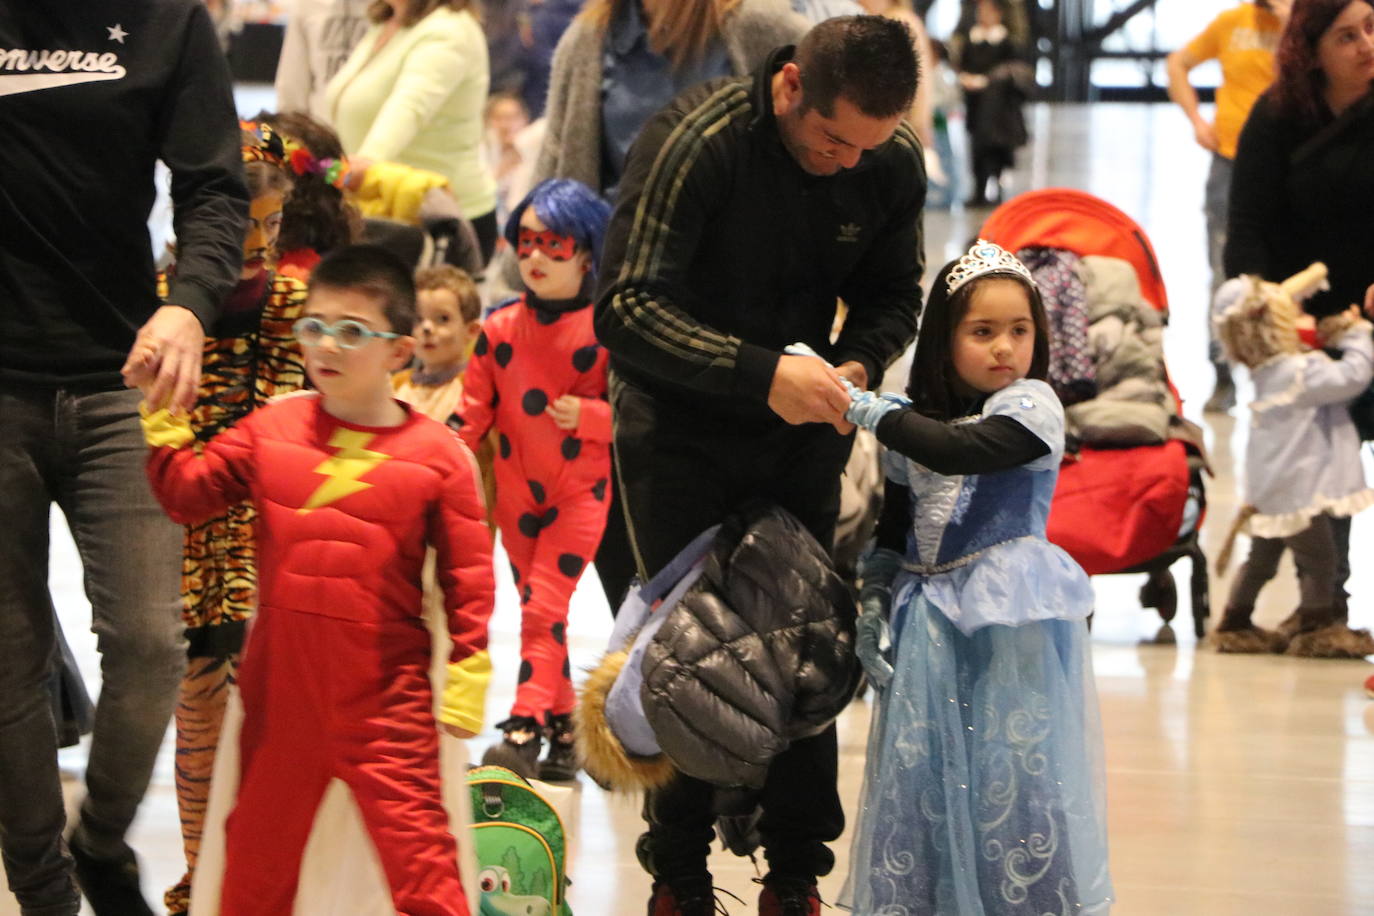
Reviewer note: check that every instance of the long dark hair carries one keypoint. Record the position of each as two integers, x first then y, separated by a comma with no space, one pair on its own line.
932,382
1298,85
316,215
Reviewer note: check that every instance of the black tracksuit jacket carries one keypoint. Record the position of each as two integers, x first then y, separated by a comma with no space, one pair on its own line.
722,251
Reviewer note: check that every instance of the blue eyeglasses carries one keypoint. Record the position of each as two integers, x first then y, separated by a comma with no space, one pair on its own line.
348,334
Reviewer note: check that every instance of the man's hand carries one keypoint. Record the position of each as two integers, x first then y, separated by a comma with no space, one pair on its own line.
1205,134
807,390
565,411
457,732
1369,301
164,362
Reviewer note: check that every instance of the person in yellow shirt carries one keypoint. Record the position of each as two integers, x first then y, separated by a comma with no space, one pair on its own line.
1242,39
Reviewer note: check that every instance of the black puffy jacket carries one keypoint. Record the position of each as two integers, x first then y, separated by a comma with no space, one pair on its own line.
759,653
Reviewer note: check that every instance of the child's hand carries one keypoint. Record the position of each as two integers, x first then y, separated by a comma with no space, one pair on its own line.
140,371
565,411
457,732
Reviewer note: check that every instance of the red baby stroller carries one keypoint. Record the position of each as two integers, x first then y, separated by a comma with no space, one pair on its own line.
1118,510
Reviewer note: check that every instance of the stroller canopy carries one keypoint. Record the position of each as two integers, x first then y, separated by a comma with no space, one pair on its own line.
1079,222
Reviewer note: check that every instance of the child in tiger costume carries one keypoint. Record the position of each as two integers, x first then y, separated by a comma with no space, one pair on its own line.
250,356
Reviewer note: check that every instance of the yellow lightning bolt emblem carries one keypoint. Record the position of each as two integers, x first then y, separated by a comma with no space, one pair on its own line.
350,462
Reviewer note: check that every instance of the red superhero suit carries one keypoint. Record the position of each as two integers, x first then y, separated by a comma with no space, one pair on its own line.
335,675
550,483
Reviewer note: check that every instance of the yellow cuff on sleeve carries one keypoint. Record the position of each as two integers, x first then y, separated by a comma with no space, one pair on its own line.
161,429
465,693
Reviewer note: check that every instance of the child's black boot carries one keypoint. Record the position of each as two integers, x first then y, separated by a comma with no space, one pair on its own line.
519,746
560,764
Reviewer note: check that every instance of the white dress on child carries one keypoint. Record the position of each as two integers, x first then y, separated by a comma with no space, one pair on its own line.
984,791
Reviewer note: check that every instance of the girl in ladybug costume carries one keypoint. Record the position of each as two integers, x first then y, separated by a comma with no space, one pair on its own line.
538,376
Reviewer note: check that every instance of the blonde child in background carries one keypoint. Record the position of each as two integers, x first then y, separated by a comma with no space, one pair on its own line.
1303,476
450,320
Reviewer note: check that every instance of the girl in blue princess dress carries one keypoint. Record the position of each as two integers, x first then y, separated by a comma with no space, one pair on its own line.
984,790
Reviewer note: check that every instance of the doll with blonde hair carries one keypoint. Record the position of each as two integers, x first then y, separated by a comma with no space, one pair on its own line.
1303,478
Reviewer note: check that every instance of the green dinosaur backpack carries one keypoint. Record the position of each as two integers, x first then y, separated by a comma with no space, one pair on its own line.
521,846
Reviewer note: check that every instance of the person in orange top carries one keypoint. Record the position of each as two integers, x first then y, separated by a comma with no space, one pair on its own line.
1243,40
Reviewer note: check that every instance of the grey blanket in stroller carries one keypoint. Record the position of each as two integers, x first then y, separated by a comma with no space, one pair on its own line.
1134,405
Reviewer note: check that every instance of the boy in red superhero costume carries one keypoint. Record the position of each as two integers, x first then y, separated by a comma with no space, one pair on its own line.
350,486
538,375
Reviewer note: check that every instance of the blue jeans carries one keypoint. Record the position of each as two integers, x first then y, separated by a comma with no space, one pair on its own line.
84,451
1214,209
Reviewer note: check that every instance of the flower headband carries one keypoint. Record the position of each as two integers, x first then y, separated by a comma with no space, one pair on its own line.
982,259
284,152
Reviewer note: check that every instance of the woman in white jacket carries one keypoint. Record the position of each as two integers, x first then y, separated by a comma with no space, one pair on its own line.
413,91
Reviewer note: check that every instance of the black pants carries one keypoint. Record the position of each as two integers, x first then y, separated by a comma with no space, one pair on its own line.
680,473
615,558
486,229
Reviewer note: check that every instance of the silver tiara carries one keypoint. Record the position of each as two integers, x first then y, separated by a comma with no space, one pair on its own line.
985,258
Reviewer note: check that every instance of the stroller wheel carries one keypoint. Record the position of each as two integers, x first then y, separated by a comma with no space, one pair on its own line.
1160,592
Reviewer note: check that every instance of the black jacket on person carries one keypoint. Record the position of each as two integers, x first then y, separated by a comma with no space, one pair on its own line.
995,115
722,251
1302,193
757,654
91,96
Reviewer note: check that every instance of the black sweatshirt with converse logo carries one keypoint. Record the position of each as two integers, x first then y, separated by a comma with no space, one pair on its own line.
92,94
722,251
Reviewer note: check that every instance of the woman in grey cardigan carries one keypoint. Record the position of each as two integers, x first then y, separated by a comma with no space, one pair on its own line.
618,63
649,50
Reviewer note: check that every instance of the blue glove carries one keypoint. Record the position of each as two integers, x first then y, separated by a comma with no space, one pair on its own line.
801,349
866,409
877,570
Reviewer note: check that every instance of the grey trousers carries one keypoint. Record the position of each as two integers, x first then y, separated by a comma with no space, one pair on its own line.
1321,553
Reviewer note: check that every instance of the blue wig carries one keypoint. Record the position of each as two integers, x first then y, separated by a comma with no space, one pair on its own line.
569,208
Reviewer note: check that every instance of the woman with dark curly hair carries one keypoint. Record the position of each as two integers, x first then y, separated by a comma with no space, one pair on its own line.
1303,188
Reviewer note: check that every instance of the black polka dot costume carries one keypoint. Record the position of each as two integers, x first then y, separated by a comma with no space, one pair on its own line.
551,483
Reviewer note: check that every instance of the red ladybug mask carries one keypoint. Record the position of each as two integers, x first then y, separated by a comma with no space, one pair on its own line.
555,247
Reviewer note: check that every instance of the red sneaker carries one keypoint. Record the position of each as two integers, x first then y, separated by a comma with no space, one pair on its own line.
789,897
684,898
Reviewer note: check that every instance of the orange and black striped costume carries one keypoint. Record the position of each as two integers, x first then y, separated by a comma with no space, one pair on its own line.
250,356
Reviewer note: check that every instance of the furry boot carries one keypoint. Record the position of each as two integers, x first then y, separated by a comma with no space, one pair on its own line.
1335,640
1237,633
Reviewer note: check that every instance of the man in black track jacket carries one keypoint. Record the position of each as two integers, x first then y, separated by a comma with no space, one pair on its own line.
748,206
92,94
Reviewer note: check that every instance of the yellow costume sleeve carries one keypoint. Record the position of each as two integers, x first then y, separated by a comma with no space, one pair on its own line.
162,429
465,692
391,190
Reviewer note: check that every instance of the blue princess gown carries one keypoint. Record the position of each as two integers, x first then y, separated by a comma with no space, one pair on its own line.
984,789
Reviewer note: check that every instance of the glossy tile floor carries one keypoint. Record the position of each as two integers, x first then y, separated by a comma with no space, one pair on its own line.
1237,785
